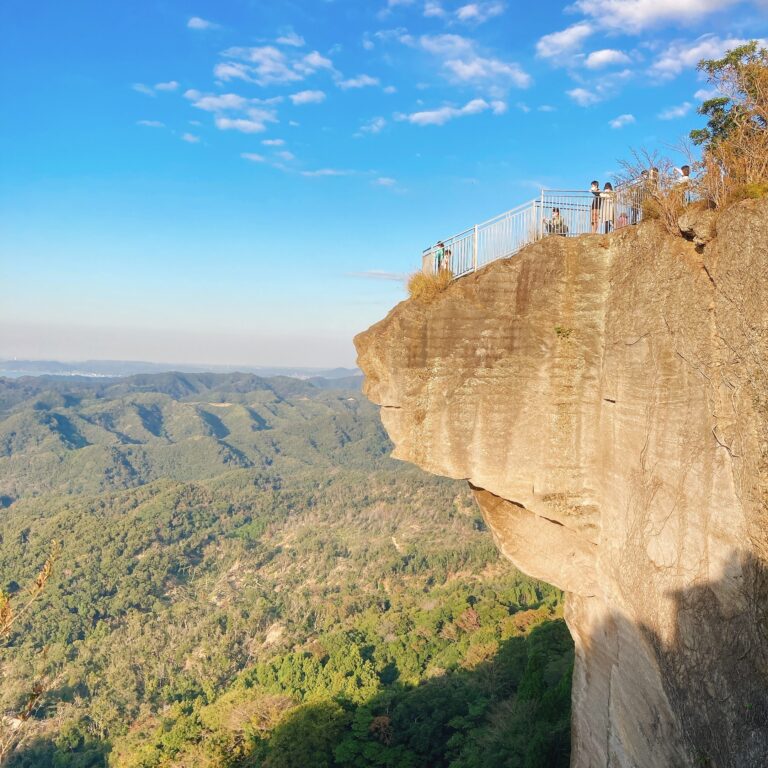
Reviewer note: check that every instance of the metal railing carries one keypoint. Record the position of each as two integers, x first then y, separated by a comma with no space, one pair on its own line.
565,213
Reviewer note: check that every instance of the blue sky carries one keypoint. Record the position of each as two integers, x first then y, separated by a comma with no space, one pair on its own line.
244,182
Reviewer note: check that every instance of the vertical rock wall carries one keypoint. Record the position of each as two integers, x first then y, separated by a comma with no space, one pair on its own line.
607,398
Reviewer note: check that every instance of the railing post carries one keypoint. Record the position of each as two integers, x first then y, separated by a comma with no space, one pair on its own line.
541,216
474,250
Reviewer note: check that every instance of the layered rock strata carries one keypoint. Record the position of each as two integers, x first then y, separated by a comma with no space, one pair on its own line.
607,399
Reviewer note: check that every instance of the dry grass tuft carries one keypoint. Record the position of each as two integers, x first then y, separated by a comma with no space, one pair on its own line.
426,288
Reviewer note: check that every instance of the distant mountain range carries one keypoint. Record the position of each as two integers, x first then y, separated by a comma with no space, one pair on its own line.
111,368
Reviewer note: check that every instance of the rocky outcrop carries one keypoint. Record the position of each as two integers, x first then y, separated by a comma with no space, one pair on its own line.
607,398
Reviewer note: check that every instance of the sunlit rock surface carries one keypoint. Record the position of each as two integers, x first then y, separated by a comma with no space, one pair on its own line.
607,398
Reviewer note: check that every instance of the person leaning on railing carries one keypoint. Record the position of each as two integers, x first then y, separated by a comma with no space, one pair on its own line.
595,190
607,207
439,255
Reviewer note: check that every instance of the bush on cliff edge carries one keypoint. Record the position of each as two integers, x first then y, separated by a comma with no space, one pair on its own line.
426,288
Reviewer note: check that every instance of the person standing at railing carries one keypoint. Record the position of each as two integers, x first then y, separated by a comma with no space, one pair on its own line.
607,207
439,254
595,190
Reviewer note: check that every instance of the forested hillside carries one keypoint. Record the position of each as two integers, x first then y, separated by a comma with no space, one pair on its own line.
247,579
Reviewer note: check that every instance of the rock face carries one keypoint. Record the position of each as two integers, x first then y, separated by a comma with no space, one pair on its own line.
607,399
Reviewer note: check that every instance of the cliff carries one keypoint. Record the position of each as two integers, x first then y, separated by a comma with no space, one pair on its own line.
607,399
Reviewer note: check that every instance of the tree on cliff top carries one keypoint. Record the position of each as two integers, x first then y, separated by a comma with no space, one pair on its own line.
735,139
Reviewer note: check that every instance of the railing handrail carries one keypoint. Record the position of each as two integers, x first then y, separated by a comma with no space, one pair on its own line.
553,197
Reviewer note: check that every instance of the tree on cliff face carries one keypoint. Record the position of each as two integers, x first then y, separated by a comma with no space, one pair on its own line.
13,725
735,139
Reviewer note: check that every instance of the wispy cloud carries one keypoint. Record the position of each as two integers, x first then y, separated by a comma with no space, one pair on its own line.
673,113
374,125
151,90
197,23
361,81
565,42
256,122
291,38
583,97
478,68
267,65
379,274
253,157
621,121
461,60
150,123
637,15
434,10
190,138
273,142
442,115
705,94
384,181
682,55
326,172
605,58
307,97
479,12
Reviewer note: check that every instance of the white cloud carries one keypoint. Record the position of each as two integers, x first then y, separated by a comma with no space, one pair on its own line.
680,55
433,9
286,155
636,15
190,138
390,89
255,121
375,125
479,12
442,115
197,23
171,85
145,89
474,68
621,121
546,108
361,81
672,113
216,102
291,38
523,107
253,157
273,142
150,123
267,65
705,94
385,181
307,97
313,62
379,274
446,46
565,42
583,97
605,58
326,172
229,70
